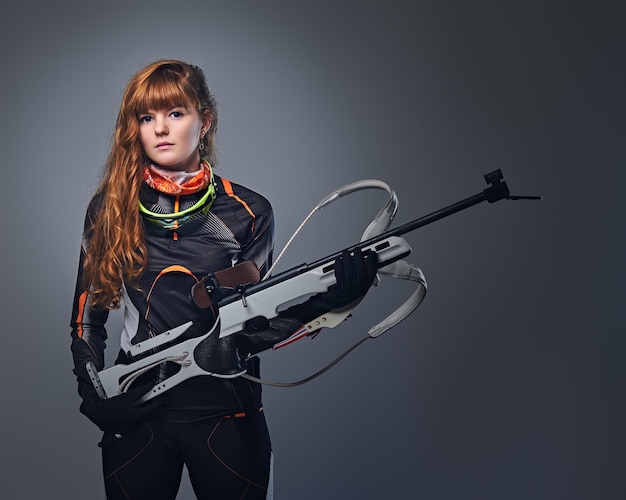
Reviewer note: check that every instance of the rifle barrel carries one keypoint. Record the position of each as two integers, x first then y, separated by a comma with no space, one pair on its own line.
493,193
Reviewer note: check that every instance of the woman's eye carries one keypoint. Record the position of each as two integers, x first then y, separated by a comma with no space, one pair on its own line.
177,114
145,119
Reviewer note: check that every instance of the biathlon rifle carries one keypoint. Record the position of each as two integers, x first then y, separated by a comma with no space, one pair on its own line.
267,298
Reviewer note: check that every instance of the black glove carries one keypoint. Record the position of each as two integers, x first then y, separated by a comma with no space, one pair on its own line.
354,275
117,414
261,334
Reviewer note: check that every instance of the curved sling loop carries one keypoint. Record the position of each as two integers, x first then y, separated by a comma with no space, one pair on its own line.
400,269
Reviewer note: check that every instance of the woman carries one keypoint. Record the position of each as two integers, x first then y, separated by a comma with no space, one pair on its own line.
160,220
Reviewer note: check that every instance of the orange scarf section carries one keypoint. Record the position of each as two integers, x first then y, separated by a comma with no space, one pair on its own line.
159,179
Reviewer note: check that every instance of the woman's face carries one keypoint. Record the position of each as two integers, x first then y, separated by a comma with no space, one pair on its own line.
170,137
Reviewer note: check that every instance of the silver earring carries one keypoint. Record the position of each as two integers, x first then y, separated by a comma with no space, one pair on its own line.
201,145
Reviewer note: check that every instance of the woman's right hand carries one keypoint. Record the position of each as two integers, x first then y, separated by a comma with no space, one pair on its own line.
117,414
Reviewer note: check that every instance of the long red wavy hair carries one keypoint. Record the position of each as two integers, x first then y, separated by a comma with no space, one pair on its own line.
117,251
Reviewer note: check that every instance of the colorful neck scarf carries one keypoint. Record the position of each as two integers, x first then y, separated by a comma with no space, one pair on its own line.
175,182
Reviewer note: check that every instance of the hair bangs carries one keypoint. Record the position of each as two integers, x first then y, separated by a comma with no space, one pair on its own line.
164,89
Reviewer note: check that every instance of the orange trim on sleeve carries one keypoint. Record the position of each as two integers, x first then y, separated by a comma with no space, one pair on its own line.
228,187
82,301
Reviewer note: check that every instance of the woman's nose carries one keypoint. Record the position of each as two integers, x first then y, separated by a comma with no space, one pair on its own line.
160,126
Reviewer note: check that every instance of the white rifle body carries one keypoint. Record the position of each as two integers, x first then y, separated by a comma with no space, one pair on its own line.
267,299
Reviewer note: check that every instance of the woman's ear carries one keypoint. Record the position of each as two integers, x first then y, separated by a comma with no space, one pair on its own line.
207,120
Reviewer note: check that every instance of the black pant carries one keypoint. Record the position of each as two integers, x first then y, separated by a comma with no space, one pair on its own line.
227,458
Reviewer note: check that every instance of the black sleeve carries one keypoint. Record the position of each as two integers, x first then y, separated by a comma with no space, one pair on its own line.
88,332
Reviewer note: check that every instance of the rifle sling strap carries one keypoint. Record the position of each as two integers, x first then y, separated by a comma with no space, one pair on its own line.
240,274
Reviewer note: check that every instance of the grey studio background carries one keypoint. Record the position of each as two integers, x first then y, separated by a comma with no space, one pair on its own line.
506,383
